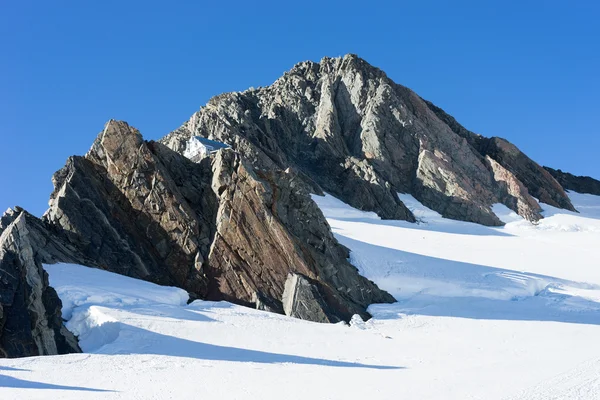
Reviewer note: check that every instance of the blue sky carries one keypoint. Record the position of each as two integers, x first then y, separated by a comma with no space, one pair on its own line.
524,70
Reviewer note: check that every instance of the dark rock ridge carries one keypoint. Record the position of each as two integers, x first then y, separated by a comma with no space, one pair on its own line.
221,228
30,310
120,205
349,130
579,184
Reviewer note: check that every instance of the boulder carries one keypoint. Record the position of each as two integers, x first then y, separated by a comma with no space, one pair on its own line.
301,299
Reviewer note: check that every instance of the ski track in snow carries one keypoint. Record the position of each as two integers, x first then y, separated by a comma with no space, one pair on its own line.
509,313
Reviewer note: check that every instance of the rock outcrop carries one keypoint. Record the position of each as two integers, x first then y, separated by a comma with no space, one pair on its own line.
220,228
351,131
268,227
302,299
536,179
128,213
30,310
579,184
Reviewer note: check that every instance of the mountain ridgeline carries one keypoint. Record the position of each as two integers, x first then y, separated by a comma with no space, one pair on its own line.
222,206
351,131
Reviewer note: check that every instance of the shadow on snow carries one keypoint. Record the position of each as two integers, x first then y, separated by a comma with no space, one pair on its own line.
425,285
16,383
441,225
159,344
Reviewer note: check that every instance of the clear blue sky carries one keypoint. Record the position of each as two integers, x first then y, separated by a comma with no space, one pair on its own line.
524,70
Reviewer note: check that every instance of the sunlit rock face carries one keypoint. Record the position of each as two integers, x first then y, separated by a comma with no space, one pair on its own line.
351,131
220,228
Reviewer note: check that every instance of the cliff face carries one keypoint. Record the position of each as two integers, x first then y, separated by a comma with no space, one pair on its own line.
30,310
220,228
121,206
350,131
579,184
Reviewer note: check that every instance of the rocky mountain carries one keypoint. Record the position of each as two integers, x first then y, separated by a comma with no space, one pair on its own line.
222,206
579,184
351,131
220,228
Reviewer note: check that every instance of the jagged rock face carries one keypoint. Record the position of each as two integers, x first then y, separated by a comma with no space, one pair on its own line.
579,184
523,171
350,131
220,228
129,213
269,227
517,195
539,182
30,311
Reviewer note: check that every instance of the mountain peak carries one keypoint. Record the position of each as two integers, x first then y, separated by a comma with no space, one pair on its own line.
356,134
335,65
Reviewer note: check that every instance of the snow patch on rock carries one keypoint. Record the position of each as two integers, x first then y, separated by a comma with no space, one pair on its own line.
198,147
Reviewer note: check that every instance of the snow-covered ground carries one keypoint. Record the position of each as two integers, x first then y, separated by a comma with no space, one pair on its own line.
483,313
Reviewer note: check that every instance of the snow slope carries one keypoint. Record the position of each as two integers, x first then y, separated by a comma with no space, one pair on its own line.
483,313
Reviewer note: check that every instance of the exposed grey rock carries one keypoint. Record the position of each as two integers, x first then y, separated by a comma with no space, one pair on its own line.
221,228
579,184
530,174
538,181
268,227
517,194
264,303
128,212
301,299
8,217
346,127
30,310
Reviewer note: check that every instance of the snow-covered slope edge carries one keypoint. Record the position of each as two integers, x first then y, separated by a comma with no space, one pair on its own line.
91,296
483,313
452,259
143,341
498,293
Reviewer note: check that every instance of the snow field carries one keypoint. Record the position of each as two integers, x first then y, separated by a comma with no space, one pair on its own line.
482,313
